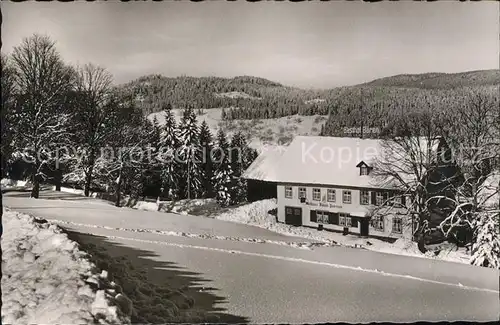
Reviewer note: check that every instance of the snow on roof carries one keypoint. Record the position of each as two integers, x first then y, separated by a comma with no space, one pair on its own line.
320,160
327,160
265,166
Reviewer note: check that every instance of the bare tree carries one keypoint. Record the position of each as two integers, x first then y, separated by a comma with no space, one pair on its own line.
474,133
8,100
413,163
93,87
123,156
43,81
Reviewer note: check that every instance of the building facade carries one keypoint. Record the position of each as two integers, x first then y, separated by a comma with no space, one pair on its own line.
343,208
328,183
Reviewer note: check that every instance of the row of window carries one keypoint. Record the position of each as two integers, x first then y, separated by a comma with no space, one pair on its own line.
378,198
340,219
378,224
345,220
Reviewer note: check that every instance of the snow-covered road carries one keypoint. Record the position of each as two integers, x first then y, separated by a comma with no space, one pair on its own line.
268,277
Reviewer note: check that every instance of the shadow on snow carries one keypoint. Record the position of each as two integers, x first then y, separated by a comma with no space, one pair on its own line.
161,291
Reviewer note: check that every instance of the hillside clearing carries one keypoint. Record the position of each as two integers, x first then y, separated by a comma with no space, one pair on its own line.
261,132
236,94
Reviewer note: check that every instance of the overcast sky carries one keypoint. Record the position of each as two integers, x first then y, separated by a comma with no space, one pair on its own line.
315,44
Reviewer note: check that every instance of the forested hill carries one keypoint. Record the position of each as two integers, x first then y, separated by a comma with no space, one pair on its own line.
155,92
386,104
439,80
249,97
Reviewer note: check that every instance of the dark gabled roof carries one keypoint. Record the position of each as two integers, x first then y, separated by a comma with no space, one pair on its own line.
362,164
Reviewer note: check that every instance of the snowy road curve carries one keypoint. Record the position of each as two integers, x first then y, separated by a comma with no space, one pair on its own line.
268,277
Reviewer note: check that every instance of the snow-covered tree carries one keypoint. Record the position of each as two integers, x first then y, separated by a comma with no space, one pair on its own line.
241,158
155,135
206,143
121,162
486,247
474,133
223,177
190,153
224,183
41,118
169,147
8,101
94,119
150,179
252,154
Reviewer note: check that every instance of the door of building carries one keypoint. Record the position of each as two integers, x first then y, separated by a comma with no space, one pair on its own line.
364,227
293,216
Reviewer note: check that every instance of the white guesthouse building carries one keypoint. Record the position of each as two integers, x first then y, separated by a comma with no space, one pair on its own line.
326,182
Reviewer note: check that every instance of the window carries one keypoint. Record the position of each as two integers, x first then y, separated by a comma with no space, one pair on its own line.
316,194
379,198
400,200
345,220
321,217
288,192
298,212
348,222
364,169
397,225
302,192
364,197
346,196
289,210
378,223
330,195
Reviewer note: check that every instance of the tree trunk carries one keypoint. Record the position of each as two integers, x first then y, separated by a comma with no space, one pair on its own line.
88,180
58,179
1,228
158,204
421,235
35,192
498,194
188,183
421,243
118,189
1,233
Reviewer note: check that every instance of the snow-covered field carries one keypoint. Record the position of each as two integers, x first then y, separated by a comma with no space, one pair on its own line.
256,214
236,94
261,132
48,280
74,191
6,183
